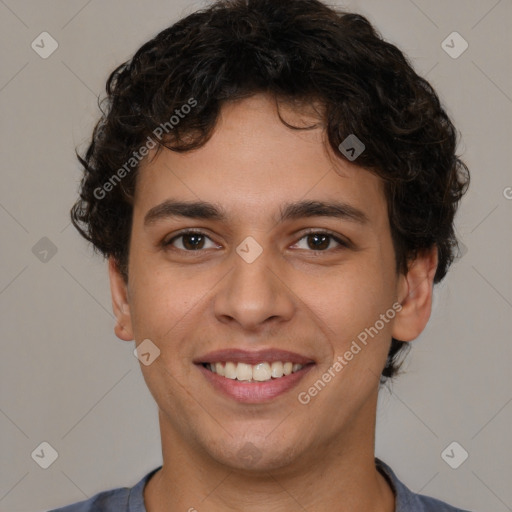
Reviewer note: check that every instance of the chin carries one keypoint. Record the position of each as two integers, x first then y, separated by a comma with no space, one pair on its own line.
256,455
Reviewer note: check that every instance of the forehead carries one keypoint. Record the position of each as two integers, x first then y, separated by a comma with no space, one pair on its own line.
254,163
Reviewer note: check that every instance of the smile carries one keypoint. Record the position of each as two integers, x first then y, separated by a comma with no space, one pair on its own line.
253,377
261,372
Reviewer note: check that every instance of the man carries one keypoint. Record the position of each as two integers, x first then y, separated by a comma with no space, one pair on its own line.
275,189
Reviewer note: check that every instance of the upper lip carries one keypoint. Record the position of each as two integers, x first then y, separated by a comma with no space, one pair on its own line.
252,357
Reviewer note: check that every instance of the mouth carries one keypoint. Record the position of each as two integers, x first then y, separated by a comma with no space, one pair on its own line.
253,377
261,372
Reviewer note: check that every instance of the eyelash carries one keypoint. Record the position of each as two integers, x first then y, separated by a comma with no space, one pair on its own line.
166,244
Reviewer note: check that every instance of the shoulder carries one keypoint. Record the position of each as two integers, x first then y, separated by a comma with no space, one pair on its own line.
421,503
115,500
122,499
408,501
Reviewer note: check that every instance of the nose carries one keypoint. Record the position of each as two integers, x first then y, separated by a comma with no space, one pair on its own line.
254,296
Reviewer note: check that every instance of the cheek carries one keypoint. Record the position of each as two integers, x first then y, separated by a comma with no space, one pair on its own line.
353,304
161,301
170,307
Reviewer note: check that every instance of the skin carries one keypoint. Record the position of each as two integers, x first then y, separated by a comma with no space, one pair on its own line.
309,457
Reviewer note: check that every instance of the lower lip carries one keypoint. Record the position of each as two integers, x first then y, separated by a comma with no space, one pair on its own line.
254,392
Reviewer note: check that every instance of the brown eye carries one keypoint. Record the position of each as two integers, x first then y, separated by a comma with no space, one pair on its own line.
318,242
190,241
321,241
193,241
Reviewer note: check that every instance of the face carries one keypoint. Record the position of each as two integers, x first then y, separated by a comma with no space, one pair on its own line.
290,261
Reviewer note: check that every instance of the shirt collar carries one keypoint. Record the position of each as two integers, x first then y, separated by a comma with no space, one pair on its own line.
402,494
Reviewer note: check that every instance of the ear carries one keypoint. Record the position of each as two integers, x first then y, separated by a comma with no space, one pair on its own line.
120,305
415,295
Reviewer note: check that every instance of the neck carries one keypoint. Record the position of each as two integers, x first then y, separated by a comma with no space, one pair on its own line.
340,476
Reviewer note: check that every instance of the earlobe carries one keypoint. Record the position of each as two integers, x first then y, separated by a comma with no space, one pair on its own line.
120,305
415,294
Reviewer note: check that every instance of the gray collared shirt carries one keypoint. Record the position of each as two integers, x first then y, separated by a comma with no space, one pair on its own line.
131,499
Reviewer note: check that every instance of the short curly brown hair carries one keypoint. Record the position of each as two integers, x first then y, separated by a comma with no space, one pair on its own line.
298,51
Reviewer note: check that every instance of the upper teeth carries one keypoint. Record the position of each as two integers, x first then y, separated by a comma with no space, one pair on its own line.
258,372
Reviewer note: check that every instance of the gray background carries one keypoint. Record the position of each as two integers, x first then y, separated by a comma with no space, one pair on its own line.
67,380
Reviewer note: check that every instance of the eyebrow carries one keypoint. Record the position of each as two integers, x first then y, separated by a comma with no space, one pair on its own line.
296,210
